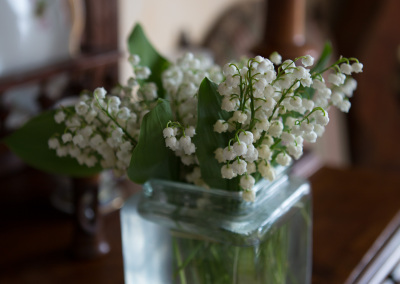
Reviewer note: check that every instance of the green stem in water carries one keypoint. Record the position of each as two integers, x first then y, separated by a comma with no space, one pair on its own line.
179,262
235,265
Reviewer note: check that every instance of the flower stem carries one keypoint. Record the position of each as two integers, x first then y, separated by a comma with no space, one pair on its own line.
179,261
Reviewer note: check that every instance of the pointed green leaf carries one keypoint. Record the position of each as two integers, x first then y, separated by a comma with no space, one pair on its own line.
319,67
323,59
151,158
207,141
30,143
140,45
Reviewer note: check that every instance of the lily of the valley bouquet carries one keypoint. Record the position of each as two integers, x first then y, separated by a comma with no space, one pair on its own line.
193,121
225,128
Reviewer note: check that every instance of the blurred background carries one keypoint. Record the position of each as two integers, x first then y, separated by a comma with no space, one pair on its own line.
52,49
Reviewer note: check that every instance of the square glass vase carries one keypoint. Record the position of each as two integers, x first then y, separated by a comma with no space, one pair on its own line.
180,233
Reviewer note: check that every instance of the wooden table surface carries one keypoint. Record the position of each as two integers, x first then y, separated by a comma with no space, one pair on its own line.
351,209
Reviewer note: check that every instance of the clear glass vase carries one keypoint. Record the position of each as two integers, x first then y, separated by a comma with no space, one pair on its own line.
179,233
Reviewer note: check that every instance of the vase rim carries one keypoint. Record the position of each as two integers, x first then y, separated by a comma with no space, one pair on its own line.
281,175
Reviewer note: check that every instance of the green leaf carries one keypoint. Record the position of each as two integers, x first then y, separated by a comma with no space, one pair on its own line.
151,158
30,143
140,45
207,141
319,67
323,59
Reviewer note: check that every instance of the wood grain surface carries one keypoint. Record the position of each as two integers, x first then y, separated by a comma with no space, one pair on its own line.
352,207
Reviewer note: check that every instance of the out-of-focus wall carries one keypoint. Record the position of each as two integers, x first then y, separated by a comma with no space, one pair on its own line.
163,21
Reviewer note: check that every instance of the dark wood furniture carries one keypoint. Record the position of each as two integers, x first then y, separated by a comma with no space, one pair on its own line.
96,65
353,209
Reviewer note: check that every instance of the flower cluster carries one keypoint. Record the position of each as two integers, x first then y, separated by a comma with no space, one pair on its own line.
182,81
274,109
270,108
104,128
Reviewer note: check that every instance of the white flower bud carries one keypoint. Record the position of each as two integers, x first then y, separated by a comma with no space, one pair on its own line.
221,126
276,128
308,104
251,168
224,89
247,183
90,115
232,81
191,149
134,59
268,140
229,70
287,137
317,84
185,143
190,131
219,155
53,143
240,148
251,154
310,137
86,132
74,151
295,101
77,139
263,124
81,108
344,106
239,166
229,104
266,171
336,79
306,127
322,118
124,113
187,160
283,159
269,91
172,143
243,71
66,137
142,72
90,161
59,116
288,65
100,93
346,68
264,66
239,116
168,132
275,58
114,102
229,154
246,137
357,67
62,151
295,151
227,172
308,60
248,195
264,152
95,141
319,130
